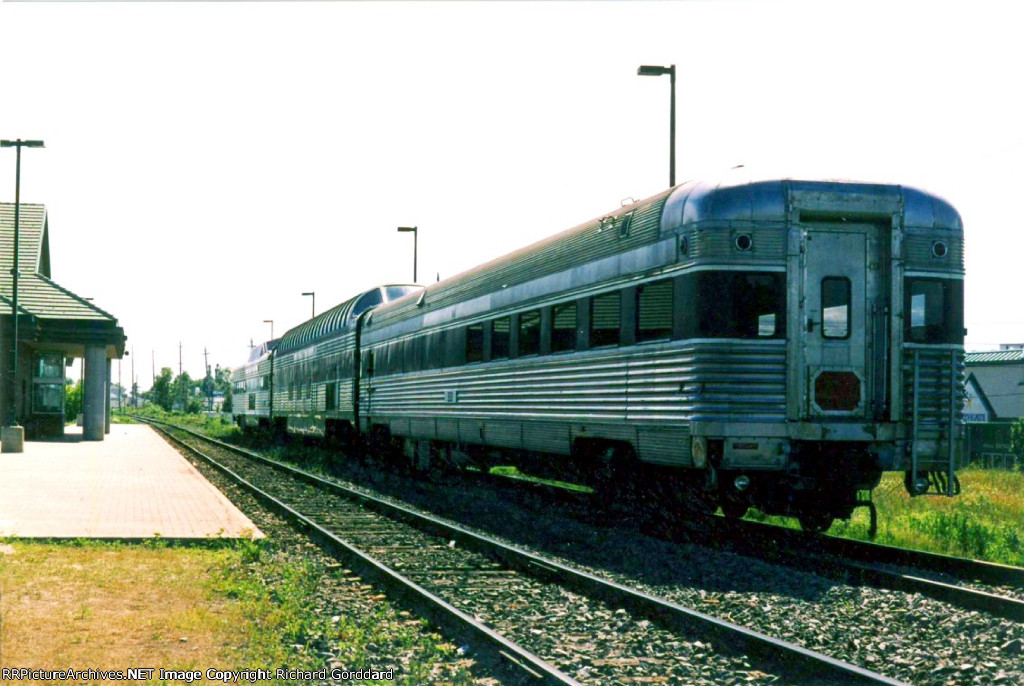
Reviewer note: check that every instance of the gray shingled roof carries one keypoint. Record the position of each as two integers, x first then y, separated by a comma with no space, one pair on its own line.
50,304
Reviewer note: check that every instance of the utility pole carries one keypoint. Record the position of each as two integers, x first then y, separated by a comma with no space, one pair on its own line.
208,382
181,381
12,436
135,386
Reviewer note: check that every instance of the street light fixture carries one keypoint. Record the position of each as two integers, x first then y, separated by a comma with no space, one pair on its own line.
11,442
312,293
415,246
671,71
271,322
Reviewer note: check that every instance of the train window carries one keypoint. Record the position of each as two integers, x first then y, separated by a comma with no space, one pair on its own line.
265,383
370,299
396,292
654,310
529,333
451,347
475,342
500,330
934,310
331,396
563,327
252,401
835,307
734,305
412,354
625,224
605,319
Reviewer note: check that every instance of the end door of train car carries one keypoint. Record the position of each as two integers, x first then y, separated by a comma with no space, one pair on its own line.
843,330
841,354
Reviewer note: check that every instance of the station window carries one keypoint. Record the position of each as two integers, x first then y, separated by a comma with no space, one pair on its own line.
605,319
475,342
654,310
529,333
47,398
500,330
48,383
835,307
563,327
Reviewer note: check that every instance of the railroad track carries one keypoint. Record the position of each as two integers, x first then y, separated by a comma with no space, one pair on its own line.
969,584
965,583
550,623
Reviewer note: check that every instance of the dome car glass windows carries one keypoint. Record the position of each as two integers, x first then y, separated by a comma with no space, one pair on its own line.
368,300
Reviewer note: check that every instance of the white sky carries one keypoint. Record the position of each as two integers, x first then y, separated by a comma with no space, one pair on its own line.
207,163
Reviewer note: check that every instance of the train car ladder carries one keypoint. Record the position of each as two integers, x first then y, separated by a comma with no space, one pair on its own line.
945,483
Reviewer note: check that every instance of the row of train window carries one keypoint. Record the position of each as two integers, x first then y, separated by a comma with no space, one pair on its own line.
725,304
703,305
711,304
304,391
253,383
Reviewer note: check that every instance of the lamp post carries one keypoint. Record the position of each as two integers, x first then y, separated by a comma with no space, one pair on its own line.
312,293
271,322
13,439
415,245
671,71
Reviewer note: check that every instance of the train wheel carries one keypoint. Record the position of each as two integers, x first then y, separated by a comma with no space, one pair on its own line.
815,522
734,509
613,473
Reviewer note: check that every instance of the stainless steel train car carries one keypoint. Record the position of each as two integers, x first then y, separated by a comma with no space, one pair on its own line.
775,343
315,367
250,388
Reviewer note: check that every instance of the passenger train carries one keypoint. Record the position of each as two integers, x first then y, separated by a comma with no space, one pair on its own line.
770,343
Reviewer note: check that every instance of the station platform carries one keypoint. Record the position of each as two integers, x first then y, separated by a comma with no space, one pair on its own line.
130,485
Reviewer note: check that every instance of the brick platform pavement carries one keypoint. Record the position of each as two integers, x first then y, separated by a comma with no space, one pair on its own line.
131,485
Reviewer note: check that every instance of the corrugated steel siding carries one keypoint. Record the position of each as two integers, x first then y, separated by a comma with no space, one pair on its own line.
768,243
536,403
665,446
917,251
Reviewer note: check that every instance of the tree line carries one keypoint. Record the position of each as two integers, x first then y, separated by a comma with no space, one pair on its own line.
181,393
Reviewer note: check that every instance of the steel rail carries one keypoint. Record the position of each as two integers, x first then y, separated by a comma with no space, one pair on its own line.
870,562
795,661
440,613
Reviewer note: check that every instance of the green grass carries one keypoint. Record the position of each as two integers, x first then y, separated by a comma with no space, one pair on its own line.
985,522
233,605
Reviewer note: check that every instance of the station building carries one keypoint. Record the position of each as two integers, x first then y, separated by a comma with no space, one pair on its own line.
55,327
994,400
